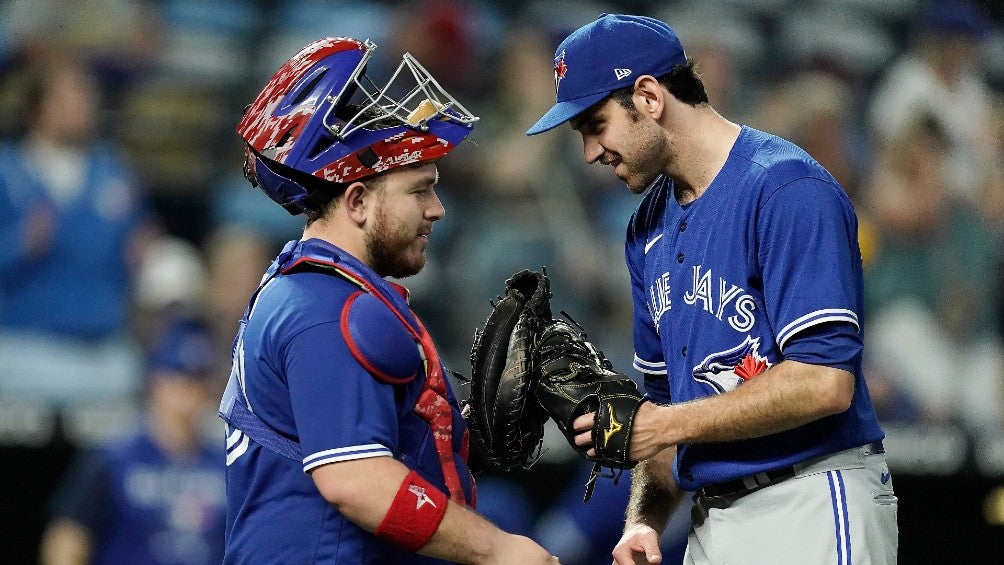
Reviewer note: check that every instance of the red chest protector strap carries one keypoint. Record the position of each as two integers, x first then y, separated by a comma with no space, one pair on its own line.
432,404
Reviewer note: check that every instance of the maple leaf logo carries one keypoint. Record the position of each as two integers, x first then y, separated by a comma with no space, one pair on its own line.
560,68
750,367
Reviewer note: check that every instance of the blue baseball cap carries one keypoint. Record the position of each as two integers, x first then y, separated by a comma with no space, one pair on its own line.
961,17
185,349
604,56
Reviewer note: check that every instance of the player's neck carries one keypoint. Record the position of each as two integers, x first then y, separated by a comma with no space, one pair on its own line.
701,153
345,236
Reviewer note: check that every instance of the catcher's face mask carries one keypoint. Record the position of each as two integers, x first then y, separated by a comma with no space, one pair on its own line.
321,115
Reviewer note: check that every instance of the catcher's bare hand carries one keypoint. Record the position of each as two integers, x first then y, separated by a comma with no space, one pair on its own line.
523,550
639,544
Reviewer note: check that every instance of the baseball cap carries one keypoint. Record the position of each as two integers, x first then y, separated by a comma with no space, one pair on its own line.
963,17
184,349
605,55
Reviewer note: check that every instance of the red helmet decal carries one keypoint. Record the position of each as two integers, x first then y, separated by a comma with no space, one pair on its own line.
405,148
261,127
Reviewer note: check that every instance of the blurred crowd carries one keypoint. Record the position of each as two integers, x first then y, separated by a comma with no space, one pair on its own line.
124,215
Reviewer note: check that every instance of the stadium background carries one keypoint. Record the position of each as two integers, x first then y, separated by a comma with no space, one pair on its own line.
176,74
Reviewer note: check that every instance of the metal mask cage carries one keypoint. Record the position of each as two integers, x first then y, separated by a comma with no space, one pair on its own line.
419,104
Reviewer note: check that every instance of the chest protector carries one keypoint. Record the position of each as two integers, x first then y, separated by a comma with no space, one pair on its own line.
365,320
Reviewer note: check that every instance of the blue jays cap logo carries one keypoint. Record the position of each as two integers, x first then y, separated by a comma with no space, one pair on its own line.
728,369
560,68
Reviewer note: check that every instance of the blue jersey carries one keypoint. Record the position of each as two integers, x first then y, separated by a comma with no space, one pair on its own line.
298,374
83,279
146,507
725,286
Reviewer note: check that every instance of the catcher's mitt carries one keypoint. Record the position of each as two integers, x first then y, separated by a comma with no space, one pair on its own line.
576,378
503,415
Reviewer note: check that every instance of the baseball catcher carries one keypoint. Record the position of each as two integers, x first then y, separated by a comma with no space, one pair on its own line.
528,367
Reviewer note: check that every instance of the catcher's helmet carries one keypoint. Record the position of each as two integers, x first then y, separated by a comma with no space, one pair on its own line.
321,116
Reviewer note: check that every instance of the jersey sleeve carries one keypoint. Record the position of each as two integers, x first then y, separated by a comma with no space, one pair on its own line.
834,344
809,258
341,411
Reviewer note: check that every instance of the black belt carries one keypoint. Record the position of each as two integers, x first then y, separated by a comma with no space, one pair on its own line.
745,485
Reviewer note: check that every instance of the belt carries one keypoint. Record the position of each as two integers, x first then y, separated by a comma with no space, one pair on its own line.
745,485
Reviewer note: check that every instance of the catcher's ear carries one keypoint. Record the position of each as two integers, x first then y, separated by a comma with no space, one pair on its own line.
356,202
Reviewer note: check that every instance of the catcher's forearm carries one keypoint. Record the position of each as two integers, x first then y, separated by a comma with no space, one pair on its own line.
654,493
465,536
364,491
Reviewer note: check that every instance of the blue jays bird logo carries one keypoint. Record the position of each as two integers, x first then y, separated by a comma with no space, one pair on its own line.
726,370
559,70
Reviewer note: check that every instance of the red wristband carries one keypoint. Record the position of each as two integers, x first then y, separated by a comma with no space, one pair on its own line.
415,514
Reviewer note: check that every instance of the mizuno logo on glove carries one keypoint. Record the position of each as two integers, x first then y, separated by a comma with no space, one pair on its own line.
612,427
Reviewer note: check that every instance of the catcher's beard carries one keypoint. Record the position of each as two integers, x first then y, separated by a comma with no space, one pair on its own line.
393,248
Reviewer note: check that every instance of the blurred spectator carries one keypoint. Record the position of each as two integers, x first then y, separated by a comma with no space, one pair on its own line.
206,41
506,503
120,38
157,497
844,31
236,257
585,533
447,36
73,229
814,108
529,199
943,75
170,282
994,200
239,207
175,122
288,25
932,292
727,47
